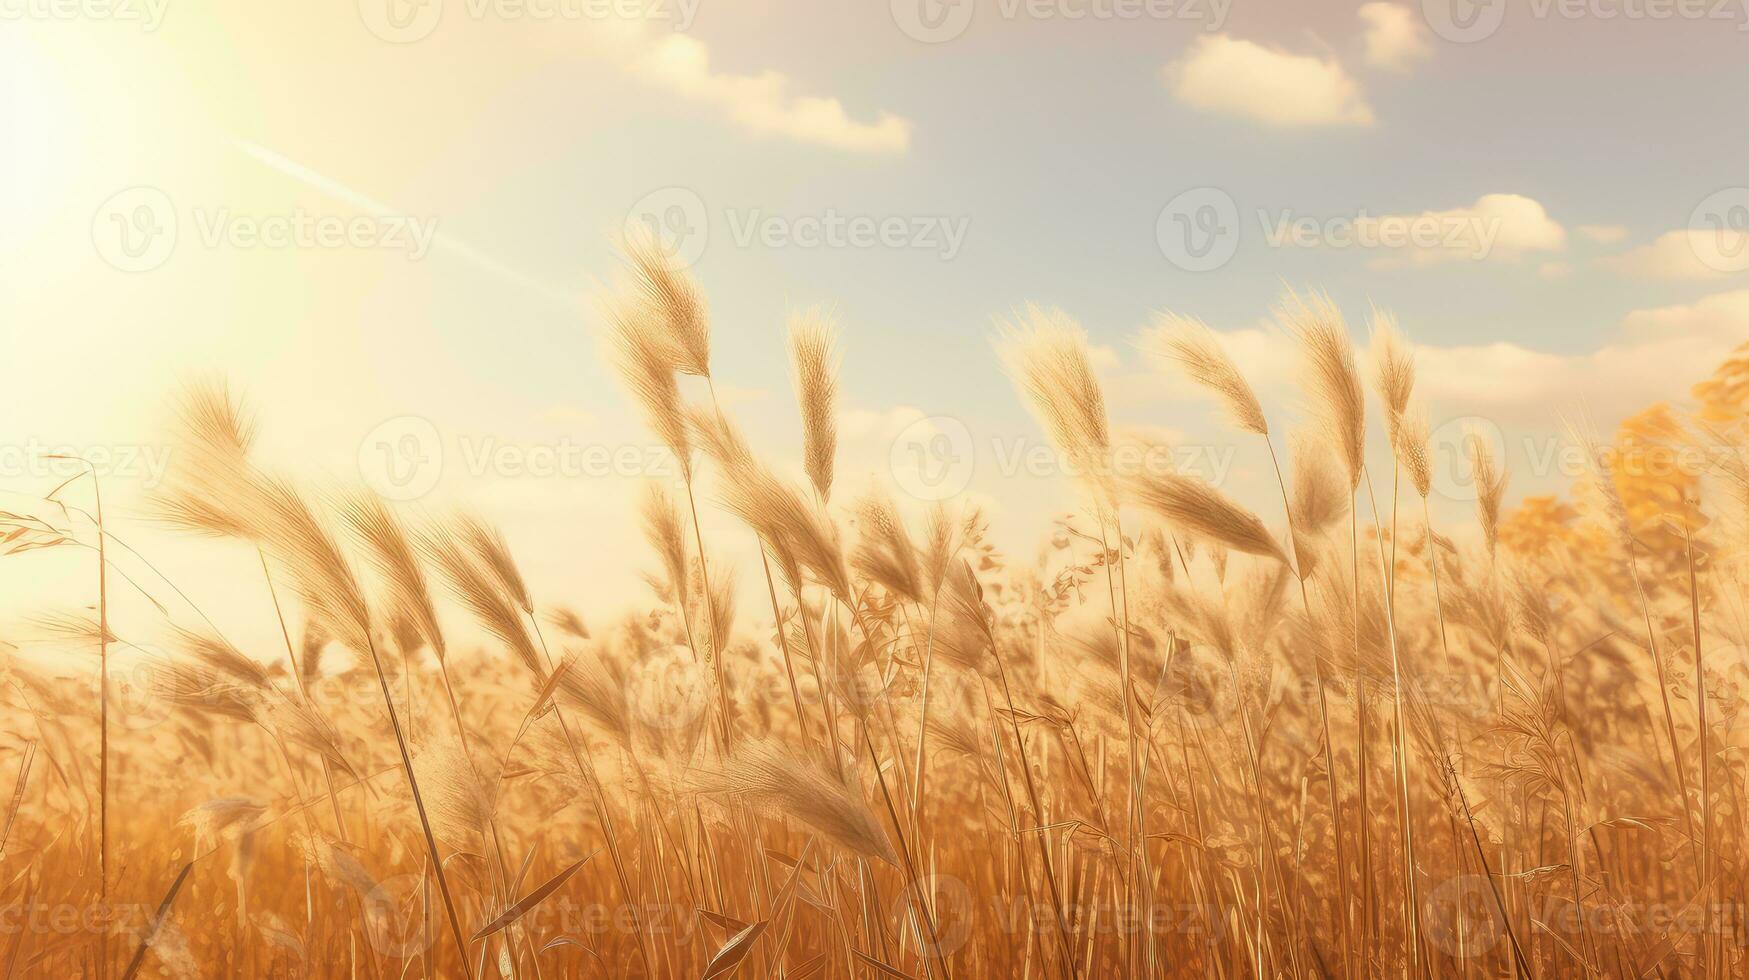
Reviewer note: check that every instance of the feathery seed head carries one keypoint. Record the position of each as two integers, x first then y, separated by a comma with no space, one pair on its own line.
1197,350
1331,378
813,360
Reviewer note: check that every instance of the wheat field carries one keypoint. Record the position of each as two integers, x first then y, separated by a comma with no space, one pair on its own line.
1333,737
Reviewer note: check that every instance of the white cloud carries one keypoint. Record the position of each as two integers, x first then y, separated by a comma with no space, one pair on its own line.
1224,74
1604,234
1507,225
1655,356
762,103
1554,270
1395,36
1677,255
1652,355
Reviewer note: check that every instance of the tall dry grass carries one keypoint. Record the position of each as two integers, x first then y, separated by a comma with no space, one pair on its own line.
1323,737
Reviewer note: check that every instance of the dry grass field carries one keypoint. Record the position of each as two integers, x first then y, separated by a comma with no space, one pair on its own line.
1332,737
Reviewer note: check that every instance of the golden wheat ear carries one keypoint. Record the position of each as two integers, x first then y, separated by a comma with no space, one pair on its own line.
211,485
1196,350
774,782
390,550
813,340
473,586
569,622
884,552
671,297
1196,507
493,552
646,366
1490,484
667,535
1045,352
1330,376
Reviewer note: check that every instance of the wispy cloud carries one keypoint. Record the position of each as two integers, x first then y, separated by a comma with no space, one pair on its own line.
1681,255
1604,234
1395,36
765,103
1274,87
1498,227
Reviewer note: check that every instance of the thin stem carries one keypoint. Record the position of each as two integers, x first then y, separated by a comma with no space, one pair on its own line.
455,924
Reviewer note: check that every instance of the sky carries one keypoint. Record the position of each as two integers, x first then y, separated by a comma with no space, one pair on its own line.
387,223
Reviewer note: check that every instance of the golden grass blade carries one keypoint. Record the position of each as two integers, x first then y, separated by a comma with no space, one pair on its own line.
25,759
530,900
730,956
881,968
157,923
1195,506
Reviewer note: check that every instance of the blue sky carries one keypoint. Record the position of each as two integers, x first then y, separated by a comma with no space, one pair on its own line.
525,143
